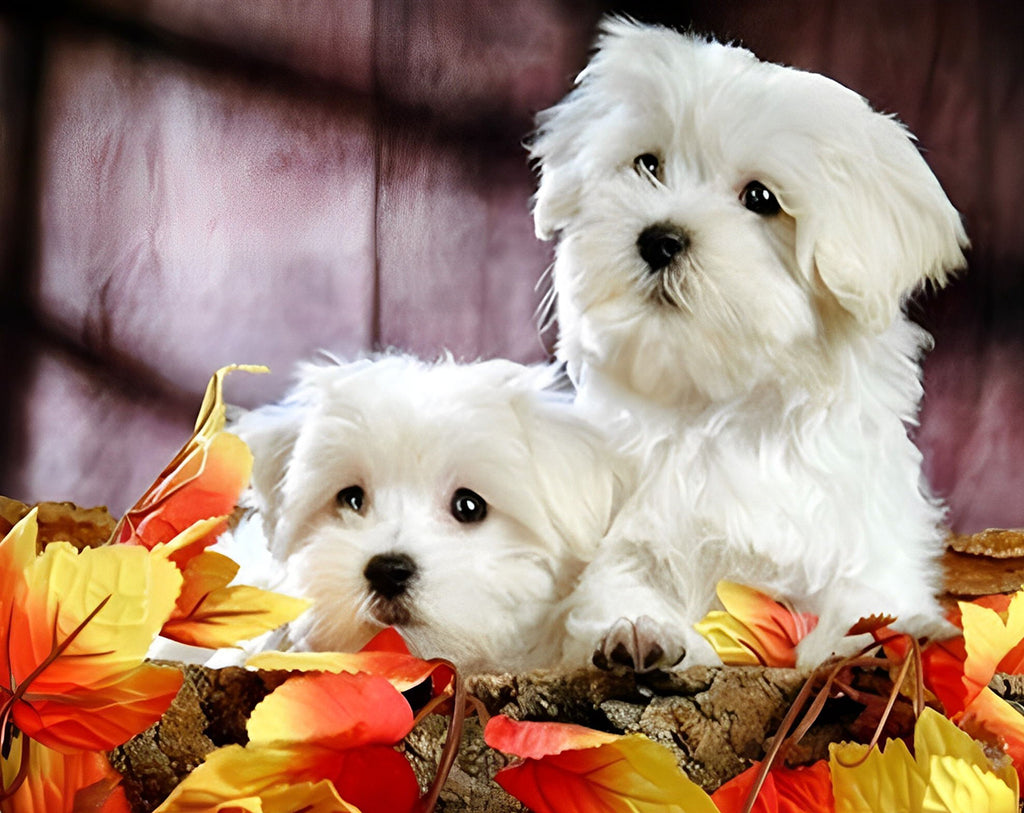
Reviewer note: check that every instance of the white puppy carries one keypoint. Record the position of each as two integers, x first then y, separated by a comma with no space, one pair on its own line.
457,503
736,243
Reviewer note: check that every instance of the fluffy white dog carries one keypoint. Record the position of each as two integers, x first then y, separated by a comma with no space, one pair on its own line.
457,503
736,241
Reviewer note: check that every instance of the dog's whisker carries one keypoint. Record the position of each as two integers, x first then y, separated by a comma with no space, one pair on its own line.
546,312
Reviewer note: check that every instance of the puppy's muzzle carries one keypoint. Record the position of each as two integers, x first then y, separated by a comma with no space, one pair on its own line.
660,244
389,574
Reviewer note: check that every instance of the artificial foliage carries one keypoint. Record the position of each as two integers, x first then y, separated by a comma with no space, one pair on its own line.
82,601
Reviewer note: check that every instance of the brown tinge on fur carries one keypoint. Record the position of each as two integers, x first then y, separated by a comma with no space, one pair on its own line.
984,563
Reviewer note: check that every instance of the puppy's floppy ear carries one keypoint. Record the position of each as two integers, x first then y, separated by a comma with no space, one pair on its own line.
559,145
582,480
877,224
557,198
270,432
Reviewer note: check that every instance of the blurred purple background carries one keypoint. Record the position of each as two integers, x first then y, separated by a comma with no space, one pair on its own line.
189,183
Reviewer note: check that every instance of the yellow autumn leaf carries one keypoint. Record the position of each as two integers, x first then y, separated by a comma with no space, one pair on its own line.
78,628
238,778
402,670
211,614
949,774
754,629
142,590
729,637
959,787
211,417
177,549
988,637
309,797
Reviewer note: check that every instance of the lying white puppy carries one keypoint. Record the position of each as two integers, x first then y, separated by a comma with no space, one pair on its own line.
736,241
457,503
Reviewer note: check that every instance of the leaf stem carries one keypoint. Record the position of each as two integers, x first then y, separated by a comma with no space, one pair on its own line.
451,745
57,650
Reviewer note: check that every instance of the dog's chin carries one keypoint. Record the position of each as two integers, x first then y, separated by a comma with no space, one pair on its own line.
664,355
674,338
393,612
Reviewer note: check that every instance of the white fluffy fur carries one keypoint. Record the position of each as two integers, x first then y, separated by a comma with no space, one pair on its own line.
488,595
766,379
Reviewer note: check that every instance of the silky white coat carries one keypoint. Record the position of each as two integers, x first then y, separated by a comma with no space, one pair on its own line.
765,377
366,461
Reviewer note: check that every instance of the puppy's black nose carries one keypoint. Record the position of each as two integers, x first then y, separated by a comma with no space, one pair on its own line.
659,245
389,574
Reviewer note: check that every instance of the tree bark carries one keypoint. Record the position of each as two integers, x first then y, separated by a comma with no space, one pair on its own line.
715,720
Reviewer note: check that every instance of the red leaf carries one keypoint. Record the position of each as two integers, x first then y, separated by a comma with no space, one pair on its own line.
786,790
571,769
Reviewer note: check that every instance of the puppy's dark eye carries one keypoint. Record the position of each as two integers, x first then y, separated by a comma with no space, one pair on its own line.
468,506
352,498
649,162
760,200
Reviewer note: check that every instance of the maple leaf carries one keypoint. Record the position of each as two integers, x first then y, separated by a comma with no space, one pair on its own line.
74,630
320,728
61,783
989,638
949,773
386,655
958,671
754,629
785,790
210,613
570,769
183,513
203,480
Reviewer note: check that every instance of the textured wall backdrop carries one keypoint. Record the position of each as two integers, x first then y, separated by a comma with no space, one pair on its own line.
188,183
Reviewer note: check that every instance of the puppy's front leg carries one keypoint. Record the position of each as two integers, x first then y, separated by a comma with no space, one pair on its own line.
629,610
915,612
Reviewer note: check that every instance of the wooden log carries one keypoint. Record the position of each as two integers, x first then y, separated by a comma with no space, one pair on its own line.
715,720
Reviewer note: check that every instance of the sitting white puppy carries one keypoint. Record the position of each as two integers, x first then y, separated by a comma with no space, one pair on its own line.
736,242
457,503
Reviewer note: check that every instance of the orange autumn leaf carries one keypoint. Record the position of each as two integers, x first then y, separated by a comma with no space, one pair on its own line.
754,629
335,728
61,783
385,655
942,667
184,512
74,632
958,669
210,613
387,640
571,769
203,480
785,790
989,637
332,710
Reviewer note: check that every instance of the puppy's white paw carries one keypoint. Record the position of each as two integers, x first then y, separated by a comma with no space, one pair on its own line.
643,645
